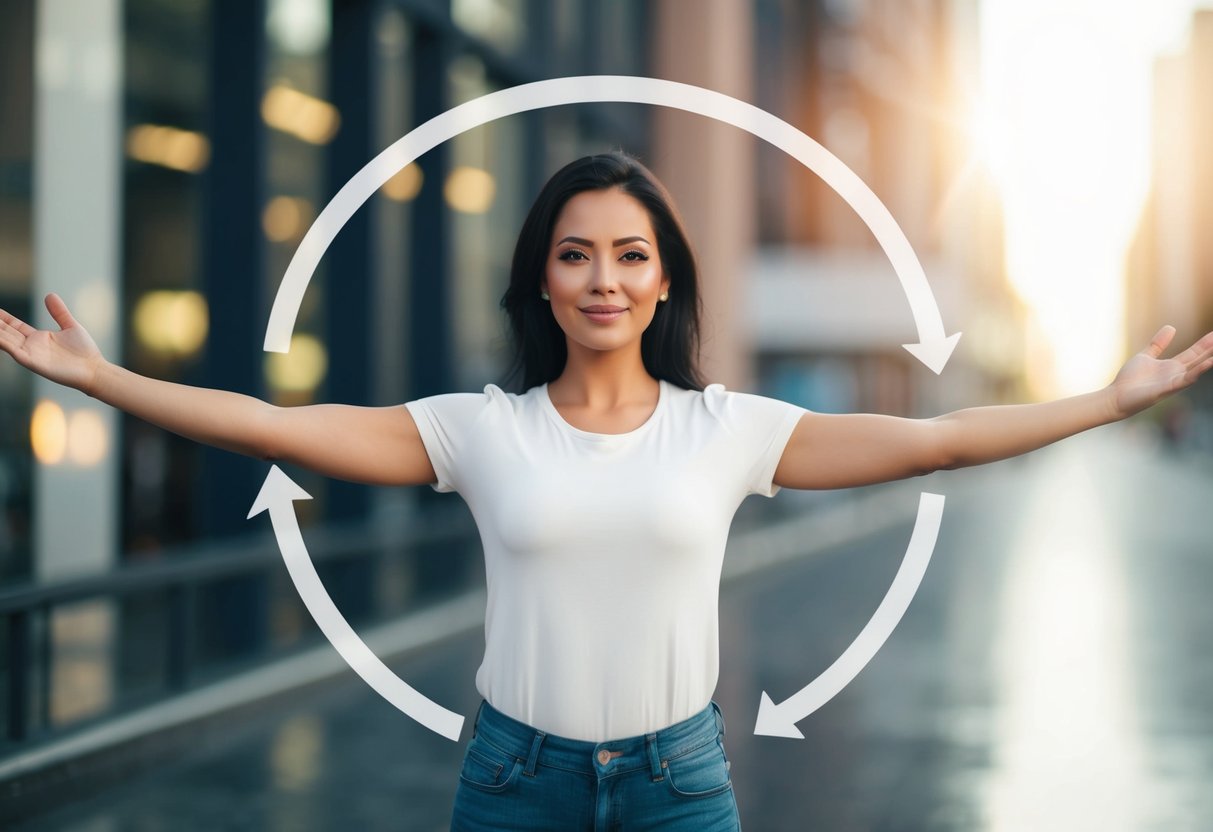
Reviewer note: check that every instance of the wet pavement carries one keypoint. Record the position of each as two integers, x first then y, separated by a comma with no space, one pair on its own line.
1052,673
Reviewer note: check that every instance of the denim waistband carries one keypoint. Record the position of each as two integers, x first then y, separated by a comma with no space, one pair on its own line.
534,747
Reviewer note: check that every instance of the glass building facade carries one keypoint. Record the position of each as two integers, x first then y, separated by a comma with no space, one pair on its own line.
237,121
16,265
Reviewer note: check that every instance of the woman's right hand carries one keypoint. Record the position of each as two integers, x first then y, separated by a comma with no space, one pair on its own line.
69,356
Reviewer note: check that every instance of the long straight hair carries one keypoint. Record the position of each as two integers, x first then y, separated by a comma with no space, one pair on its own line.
669,346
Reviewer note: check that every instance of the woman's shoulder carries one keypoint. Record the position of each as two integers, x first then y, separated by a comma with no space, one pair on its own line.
738,407
489,393
467,405
713,396
459,403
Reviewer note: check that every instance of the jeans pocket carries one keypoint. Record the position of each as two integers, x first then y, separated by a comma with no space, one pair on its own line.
701,772
488,768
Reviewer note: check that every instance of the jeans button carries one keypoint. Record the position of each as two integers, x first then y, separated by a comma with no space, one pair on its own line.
604,756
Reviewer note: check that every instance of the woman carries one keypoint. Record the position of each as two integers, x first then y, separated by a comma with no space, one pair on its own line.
603,493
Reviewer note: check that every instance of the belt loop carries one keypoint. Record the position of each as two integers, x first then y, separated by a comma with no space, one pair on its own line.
719,717
533,759
476,722
654,757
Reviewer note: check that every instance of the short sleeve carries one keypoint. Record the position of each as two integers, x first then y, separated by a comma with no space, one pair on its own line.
761,427
446,422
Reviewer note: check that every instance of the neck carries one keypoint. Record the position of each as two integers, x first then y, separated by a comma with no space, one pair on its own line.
603,378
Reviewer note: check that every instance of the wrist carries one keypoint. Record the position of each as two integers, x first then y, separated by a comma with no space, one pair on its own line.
1111,403
92,387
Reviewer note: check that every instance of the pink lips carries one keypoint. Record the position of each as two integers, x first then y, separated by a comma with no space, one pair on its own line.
603,314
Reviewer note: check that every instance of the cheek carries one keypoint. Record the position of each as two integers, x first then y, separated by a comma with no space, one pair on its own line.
560,278
650,280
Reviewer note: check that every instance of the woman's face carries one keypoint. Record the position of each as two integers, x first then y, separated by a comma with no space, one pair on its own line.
603,270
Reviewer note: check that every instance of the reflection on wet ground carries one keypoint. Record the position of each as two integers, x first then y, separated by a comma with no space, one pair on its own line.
1051,674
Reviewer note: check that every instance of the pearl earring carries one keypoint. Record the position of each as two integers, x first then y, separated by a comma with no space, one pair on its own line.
544,295
664,296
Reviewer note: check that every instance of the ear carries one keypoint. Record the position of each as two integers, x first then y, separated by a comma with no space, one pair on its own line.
665,283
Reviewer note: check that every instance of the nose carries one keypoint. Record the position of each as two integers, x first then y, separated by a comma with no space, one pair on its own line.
602,276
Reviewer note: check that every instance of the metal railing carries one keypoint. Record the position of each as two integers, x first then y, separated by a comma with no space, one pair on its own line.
181,574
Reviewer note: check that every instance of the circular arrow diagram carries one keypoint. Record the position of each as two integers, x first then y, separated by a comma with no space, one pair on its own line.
933,349
780,720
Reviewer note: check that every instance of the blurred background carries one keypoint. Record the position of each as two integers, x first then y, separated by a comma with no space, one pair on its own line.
160,161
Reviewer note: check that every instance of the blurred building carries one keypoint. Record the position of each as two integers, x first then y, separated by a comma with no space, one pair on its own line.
1171,258
16,268
888,88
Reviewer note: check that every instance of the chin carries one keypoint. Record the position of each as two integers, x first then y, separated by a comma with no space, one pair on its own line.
601,344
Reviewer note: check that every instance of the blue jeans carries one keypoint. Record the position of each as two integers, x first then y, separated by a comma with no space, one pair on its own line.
518,777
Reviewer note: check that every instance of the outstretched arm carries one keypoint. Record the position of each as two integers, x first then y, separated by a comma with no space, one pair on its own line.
845,450
374,445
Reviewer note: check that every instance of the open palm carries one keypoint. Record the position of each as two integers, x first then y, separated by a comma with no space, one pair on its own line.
1146,379
69,356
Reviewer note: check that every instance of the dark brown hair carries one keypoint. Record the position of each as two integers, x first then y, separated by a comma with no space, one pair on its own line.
669,346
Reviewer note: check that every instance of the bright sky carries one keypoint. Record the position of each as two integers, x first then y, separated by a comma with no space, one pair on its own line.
1065,120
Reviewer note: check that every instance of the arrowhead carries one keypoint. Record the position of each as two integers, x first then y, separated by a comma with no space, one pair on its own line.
773,722
934,352
277,489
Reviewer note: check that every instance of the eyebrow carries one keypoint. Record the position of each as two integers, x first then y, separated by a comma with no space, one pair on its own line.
581,241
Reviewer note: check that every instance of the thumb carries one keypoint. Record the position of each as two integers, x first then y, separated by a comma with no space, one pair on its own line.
1160,340
58,310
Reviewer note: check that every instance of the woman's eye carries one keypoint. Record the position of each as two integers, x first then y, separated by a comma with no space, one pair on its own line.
640,255
571,254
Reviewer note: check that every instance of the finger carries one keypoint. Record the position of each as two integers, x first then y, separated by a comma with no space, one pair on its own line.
10,340
1200,365
59,311
1160,340
1197,351
11,332
1193,368
16,323
1189,378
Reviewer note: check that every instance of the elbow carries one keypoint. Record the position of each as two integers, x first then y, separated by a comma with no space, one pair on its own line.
942,455
944,460
930,468
264,446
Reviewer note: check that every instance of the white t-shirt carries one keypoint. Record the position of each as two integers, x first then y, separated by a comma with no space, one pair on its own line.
602,552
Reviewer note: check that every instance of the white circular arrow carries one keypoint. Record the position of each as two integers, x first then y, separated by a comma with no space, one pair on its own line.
933,348
276,496
780,720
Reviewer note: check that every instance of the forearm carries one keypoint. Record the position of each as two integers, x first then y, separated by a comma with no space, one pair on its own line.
977,435
227,420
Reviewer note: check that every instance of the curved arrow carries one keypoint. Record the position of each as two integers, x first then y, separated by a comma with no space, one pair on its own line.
780,720
933,349
276,496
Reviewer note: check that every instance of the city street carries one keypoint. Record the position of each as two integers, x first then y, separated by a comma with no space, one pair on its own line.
1053,673
237,238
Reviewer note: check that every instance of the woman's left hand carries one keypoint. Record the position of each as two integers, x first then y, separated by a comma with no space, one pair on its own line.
1146,379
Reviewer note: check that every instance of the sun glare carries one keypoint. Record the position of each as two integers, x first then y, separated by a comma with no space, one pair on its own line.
1064,120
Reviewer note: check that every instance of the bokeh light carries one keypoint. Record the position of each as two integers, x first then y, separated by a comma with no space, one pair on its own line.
300,370
470,190
173,323
48,432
